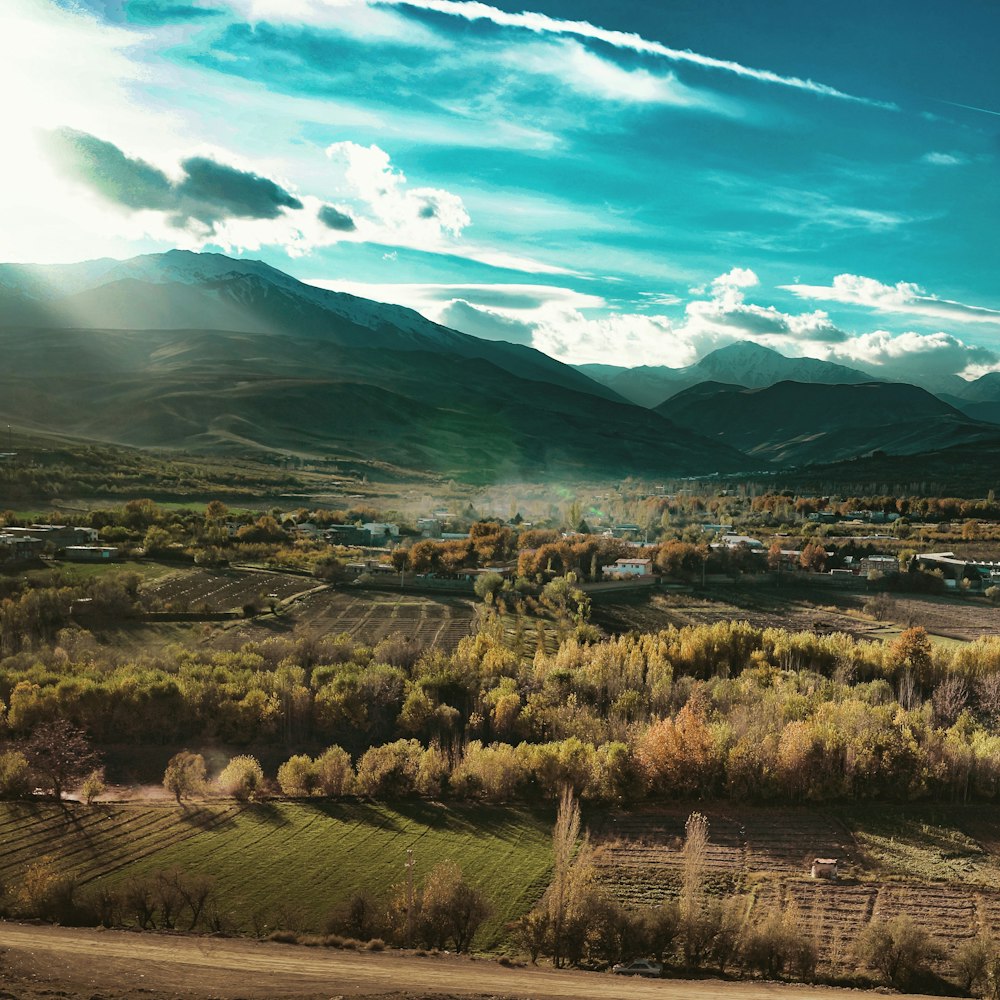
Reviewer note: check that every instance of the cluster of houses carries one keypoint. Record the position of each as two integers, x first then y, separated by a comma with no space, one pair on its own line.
72,543
980,573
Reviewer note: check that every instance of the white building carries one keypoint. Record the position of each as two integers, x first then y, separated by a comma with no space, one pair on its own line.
629,567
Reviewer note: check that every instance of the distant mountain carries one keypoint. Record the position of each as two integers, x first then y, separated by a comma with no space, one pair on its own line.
744,364
985,389
180,290
202,352
798,423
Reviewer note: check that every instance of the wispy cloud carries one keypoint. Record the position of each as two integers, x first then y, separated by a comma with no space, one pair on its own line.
589,74
943,159
904,297
472,10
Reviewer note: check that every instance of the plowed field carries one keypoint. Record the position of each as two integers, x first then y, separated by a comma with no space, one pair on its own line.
940,868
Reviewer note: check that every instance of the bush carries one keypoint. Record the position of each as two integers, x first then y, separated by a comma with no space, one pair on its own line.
897,949
93,786
390,771
242,778
297,776
15,779
46,893
334,773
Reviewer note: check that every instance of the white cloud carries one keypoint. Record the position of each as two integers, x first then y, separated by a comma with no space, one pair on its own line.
617,339
588,73
917,356
943,159
413,216
363,22
904,297
522,300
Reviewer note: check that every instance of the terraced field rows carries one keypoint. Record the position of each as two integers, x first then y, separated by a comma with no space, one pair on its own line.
91,842
222,590
369,617
889,860
297,860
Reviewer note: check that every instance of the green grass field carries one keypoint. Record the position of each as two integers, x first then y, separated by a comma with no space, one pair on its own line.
296,862
80,572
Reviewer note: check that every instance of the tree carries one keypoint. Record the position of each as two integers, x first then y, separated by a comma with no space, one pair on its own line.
185,775
564,838
898,949
450,908
813,557
14,774
334,774
297,777
487,586
693,902
59,755
242,778
93,786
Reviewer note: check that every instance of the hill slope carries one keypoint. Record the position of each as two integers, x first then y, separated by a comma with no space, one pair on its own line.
250,360
795,423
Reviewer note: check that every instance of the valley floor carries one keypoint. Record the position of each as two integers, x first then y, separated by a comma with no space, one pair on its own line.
117,965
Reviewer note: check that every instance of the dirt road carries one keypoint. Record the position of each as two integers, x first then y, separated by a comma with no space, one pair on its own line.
46,961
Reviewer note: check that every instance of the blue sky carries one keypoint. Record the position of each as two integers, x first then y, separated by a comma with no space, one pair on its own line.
627,183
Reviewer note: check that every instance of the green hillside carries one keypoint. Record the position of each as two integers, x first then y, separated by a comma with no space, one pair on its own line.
296,862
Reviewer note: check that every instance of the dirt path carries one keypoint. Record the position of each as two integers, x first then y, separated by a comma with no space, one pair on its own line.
46,961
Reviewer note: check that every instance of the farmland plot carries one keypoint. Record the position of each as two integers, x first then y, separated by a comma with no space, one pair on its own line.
801,608
366,616
295,862
221,590
661,611
639,853
941,867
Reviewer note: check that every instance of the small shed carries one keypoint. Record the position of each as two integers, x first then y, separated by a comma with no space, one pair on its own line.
824,868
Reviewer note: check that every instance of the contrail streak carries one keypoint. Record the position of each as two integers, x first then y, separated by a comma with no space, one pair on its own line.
970,107
474,10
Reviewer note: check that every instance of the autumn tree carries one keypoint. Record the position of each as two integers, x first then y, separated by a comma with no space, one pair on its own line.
242,778
184,776
60,755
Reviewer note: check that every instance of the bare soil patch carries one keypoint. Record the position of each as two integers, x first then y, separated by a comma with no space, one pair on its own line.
801,608
63,962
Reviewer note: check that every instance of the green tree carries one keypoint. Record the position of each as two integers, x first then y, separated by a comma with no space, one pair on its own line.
242,778
184,776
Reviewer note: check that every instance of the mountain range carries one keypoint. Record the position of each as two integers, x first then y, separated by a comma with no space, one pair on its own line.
793,423
205,353
744,363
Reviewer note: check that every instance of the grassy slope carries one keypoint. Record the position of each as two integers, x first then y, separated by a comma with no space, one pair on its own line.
298,859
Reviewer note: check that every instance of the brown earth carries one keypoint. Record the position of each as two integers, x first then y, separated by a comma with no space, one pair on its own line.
44,962
800,608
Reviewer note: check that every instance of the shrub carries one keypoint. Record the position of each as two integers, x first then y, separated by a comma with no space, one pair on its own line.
897,949
297,776
334,774
15,781
242,778
45,892
93,786
390,771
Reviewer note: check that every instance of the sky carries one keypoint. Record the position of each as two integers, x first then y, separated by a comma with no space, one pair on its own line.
619,183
